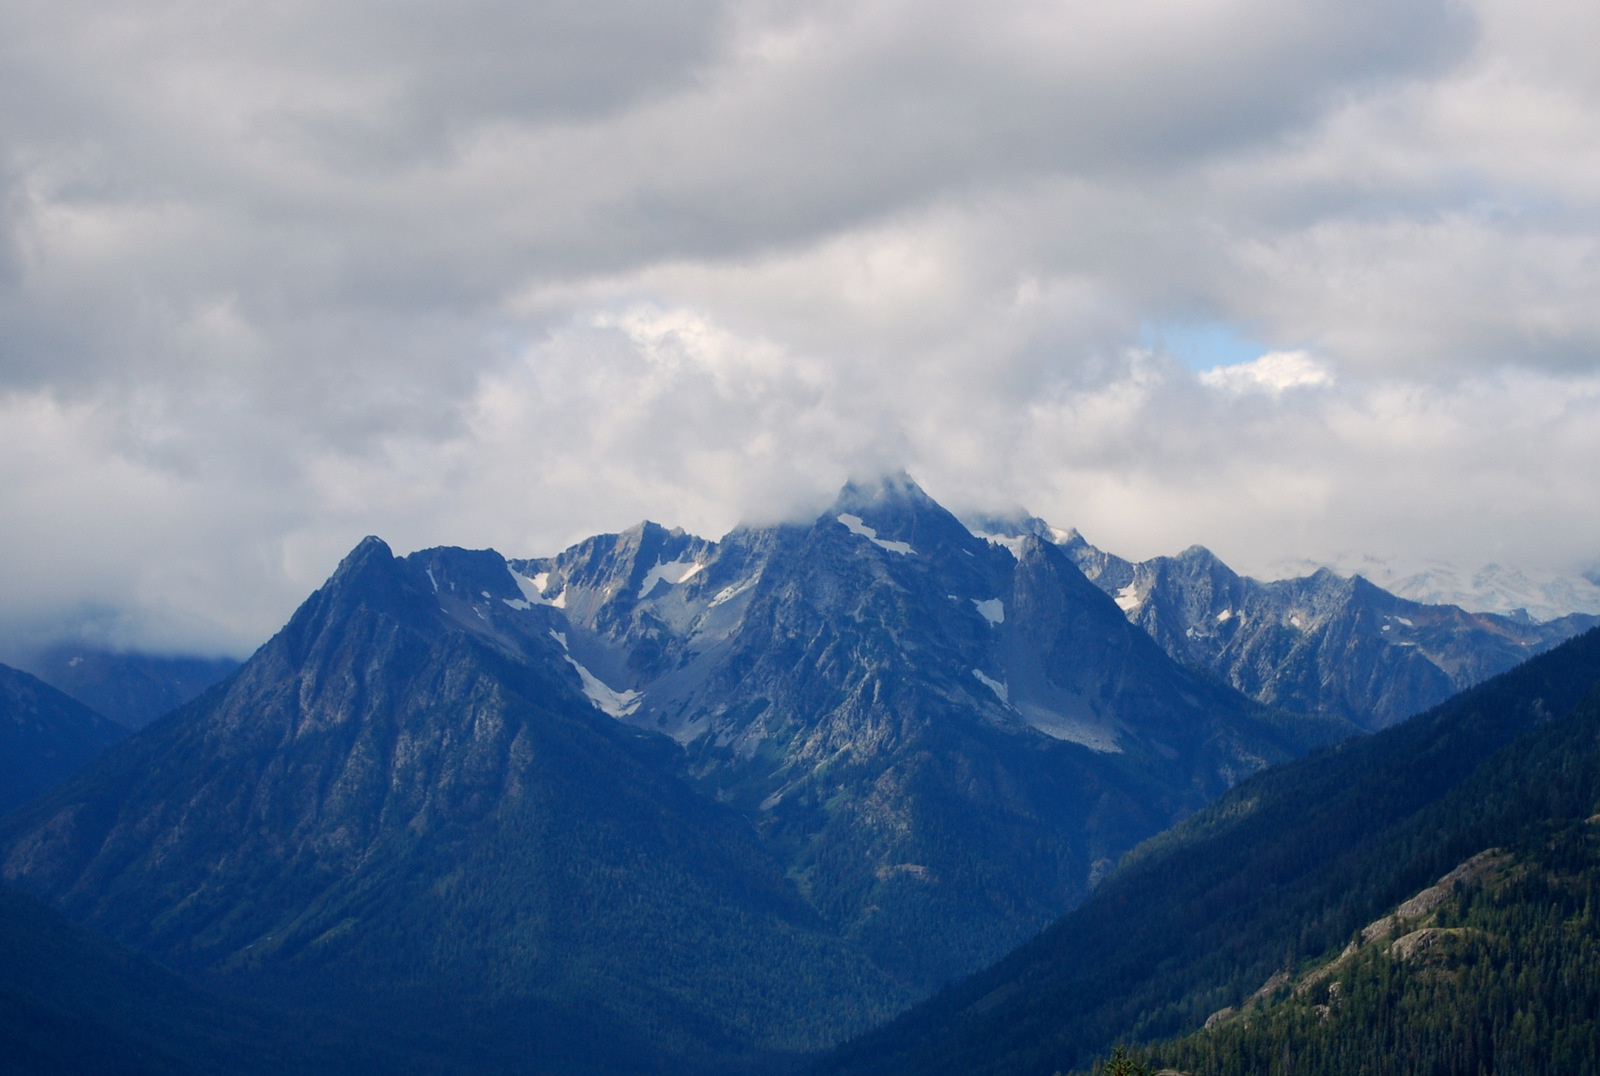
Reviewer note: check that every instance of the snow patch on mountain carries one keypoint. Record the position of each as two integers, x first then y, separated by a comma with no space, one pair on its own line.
1128,598
533,590
1006,541
1061,727
606,698
1001,691
728,593
674,572
993,610
854,525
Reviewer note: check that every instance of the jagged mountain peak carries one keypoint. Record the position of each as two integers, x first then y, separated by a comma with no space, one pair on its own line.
892,495
884,488
370,550
1198,554
1323,642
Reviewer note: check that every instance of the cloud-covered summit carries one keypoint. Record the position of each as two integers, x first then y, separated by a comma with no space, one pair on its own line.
486,273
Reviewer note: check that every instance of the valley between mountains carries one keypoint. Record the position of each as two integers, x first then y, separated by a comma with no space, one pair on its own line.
781,800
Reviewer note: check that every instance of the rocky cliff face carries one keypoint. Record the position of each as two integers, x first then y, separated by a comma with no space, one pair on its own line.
946,740
1323,643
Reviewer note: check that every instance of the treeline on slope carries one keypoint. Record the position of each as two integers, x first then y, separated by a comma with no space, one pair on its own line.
1504,978
1289,863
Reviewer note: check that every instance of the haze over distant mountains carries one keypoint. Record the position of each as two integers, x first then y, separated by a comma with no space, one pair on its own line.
1491,588
130,688
44,736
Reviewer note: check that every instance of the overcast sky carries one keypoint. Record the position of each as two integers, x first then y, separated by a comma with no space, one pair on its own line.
1287,278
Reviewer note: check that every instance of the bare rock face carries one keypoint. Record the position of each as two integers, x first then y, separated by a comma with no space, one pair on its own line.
941,736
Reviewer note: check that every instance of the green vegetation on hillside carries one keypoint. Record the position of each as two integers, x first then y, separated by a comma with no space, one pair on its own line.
1503,978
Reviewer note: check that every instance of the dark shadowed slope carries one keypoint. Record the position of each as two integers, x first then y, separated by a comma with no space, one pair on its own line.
75,1003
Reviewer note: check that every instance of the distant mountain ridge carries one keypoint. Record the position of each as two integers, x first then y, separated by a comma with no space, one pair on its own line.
130,688
656,804
1322,643
44,736
1491,588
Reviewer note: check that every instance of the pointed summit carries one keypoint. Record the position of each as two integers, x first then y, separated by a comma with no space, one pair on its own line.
896,514
895,488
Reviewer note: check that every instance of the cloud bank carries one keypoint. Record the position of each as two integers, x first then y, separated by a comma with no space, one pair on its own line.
272,278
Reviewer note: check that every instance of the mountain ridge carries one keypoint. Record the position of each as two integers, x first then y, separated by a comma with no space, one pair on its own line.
1322,643
45,736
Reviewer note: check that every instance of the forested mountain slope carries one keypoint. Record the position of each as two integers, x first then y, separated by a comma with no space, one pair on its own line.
1491,969
1288,864
75,1003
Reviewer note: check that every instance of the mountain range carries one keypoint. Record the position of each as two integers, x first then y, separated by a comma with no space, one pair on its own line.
1322,643
665,804
657,803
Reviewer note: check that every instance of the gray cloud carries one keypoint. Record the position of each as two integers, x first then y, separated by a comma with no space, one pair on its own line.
490,273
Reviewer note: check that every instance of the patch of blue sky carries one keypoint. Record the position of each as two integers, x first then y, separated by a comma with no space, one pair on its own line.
1202,345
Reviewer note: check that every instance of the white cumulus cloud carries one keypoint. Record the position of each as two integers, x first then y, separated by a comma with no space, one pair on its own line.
276,277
